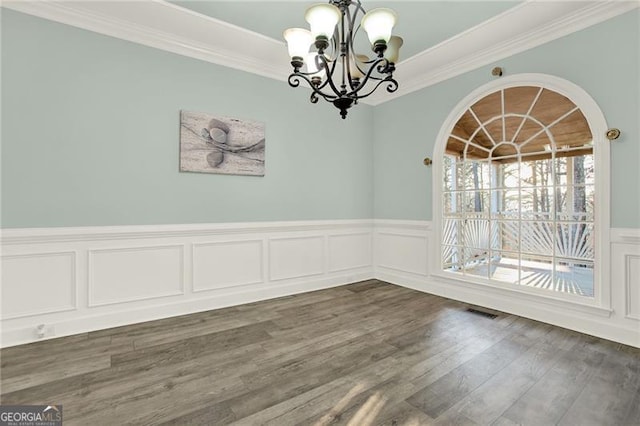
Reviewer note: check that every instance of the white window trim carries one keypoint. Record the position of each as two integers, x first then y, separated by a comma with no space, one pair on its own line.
601,150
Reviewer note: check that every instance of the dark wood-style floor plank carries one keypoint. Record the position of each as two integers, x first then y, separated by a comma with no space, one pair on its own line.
368,353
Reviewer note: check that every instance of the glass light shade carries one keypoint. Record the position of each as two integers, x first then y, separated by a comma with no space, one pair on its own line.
353,66
298,42
323,19
378,24
312,68
393,49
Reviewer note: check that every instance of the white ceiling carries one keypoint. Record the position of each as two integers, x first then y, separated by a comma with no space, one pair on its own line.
422,24
449,38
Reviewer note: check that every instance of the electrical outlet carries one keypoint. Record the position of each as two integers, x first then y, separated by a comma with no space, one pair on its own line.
40,331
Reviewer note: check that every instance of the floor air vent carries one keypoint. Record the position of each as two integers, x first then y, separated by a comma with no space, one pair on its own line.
482,313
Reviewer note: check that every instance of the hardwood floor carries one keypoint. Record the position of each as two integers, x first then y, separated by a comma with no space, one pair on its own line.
366,353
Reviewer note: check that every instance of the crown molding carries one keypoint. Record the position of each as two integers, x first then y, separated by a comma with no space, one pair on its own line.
520,28
165,26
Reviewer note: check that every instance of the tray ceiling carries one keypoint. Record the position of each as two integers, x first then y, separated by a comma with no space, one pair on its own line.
421,24
445,38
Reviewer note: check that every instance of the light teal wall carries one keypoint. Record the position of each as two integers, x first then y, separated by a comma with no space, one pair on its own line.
90,128
603,60
90,132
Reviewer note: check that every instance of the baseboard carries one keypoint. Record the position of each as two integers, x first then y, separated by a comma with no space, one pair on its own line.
249,294
572,320
63,281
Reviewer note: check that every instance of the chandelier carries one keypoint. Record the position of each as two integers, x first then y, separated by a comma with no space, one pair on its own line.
334,71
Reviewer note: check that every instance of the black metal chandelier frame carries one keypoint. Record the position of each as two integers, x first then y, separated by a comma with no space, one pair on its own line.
349,89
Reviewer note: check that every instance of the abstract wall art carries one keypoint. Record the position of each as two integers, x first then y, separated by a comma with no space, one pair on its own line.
222,145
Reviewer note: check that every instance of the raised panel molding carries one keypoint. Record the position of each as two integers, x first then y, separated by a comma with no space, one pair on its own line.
223,264
283,258
402,252
38,284
632,286
620,323
130,274
296,257
350,251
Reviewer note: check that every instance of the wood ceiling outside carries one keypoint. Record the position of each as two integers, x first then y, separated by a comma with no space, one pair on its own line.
527,111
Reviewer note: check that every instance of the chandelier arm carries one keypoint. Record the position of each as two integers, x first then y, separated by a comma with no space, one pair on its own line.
353,31
294,81
358,8
329,78
351,53
323,62
344,53
374,66
318,87
352,21
391,87
334,44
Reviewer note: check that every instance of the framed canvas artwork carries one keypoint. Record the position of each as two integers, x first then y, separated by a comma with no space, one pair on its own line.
221,145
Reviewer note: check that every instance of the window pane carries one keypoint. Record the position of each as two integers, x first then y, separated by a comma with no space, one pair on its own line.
536,173
452,203
536,271
448,172
537,203
504,266
575,240
451,258
506,235
484,170
461,172
476,233
574,277
476,175
505,203
452,231
477,203
507,175
537,237
476,262
575,203
575,170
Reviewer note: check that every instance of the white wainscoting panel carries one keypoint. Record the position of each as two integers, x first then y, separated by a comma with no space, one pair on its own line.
350,251
119,275
397,242
632,284
92,278
38,283
296,257
402,252
224,264
75,280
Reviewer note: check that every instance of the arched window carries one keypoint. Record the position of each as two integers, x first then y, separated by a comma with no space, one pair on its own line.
519,195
